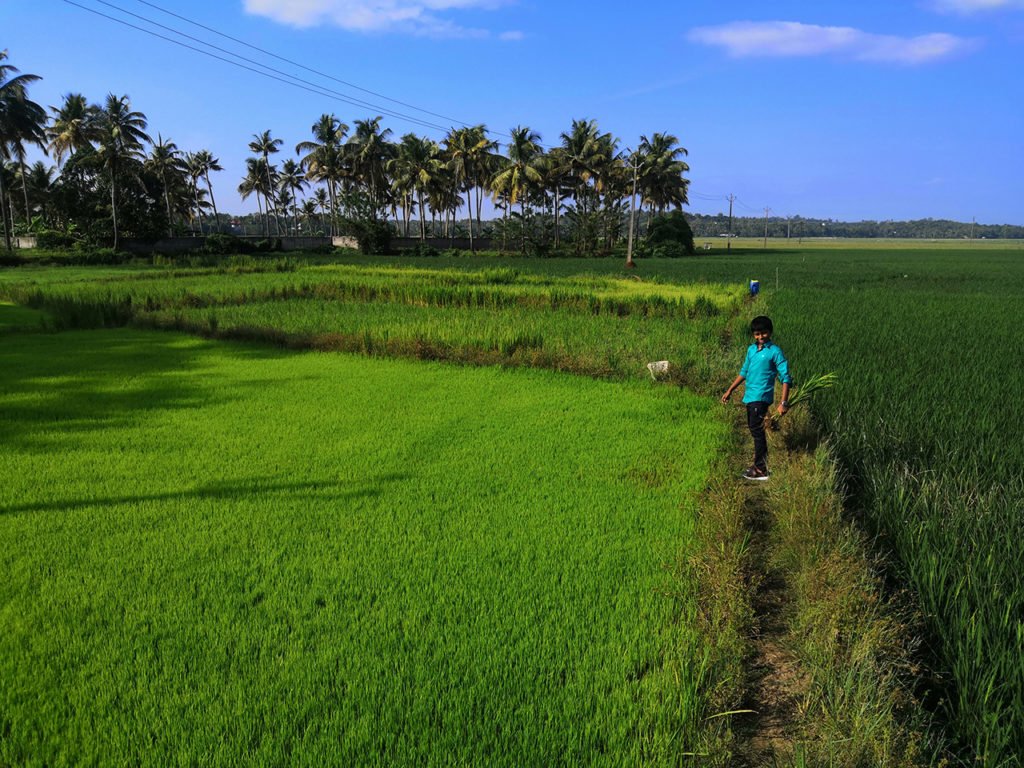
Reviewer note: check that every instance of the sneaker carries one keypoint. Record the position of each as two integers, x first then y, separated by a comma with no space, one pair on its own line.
753,473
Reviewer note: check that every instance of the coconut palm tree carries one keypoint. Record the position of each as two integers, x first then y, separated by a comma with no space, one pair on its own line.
471,158
522,171
18,149
166,162
555,167
443,195
416,163
322,157
585,153
283,198
369,151
194,168
660,177
206,162
265,145
309,206
39,182
73,128
325,204
291,180
22,122
122,133
581,149
403,177
256,181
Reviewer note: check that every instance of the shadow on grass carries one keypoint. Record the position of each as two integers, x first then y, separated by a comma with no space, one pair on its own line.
56,389
16,319
322,490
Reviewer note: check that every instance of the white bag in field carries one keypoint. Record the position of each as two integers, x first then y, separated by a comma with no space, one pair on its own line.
658,369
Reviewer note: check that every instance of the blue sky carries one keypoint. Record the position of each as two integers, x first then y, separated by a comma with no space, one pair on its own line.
876,110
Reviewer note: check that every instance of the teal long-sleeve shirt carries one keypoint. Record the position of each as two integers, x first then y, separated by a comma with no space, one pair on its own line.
760,368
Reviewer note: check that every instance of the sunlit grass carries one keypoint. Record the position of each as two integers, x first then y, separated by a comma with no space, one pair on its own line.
225,554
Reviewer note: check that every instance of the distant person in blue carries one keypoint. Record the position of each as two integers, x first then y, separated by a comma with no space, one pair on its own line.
764,362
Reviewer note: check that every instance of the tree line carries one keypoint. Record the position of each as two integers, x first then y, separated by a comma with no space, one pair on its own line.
798,227
111,179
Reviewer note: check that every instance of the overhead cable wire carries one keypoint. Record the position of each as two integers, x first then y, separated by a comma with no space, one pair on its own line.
292,79
302,66
349,99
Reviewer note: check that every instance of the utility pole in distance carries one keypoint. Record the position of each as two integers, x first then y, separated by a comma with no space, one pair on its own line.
728,237
766,226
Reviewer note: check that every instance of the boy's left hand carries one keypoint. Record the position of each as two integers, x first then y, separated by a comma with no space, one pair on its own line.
782,409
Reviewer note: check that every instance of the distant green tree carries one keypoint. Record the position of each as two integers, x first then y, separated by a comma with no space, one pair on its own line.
22,122
670,235
323,159
166,161
413,169
369,151
292,181
205,162
265,145
122,134
660,177
521,172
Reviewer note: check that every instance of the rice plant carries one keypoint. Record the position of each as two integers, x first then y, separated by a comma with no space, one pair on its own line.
228,554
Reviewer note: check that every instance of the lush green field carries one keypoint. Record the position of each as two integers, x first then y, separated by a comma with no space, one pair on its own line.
923,417
225,554
927,421
585,324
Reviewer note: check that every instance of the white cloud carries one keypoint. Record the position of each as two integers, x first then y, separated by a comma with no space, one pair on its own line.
418,17
742,39
974,6
512,34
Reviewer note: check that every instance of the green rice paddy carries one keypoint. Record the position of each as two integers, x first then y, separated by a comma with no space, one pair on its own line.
230,554
227,552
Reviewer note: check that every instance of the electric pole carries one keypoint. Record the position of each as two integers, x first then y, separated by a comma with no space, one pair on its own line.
728,237
632,204
972,227
766,226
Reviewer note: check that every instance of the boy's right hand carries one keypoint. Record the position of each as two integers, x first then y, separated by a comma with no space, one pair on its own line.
726,396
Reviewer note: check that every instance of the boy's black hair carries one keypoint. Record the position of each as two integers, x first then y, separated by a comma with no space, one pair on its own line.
761,323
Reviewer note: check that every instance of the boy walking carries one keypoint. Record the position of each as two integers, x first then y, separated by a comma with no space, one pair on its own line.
763,363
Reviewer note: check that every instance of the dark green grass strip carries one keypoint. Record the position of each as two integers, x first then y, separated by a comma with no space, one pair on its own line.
16,318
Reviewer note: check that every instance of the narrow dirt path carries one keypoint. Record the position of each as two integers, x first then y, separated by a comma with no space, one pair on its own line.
775,682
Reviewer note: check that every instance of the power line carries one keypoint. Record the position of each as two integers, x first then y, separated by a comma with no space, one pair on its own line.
320,89
280,75
293,81
348,99
744,205
301,66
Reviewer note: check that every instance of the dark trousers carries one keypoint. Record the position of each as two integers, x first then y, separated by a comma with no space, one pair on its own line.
756,413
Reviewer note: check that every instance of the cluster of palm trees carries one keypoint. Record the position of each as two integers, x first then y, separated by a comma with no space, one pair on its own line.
585,175
103,174
106,182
